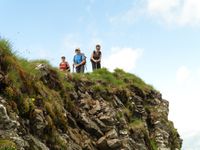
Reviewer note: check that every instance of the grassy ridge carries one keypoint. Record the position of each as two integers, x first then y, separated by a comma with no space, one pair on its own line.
26,90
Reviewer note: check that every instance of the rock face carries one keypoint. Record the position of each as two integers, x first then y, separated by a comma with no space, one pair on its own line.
97,111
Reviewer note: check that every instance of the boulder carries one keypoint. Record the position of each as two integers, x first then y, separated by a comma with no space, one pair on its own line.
5,121
114,143
35,143
107,120
112,134
102,143
38,122
90,125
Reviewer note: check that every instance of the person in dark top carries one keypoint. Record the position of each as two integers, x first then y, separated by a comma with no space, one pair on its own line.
96,58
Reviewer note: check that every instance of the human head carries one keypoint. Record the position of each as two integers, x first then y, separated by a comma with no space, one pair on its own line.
98,47
63,58
77,51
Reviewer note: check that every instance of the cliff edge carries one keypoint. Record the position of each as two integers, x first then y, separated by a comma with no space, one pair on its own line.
43,109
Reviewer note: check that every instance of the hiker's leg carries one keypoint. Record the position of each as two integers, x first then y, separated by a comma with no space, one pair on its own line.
82,68
98,65
93,65
78,70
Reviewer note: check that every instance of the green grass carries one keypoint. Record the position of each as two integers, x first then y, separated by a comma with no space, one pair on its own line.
5,48
29,66
8,148
68,85
104,76
153,144
13,75
119,79
132,79
7,145
137,124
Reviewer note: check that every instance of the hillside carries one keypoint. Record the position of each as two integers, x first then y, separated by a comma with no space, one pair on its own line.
41,109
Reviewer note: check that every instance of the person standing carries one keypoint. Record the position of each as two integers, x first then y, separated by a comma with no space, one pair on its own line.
64,65
96,58
79,61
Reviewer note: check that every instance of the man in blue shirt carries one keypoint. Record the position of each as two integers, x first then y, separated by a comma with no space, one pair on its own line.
79,61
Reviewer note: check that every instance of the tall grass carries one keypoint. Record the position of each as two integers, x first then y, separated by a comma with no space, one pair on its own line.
5,48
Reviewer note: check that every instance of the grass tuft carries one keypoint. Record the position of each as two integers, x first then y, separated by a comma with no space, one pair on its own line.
7,145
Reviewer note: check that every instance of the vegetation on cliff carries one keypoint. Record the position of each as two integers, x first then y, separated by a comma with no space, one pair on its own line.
99,110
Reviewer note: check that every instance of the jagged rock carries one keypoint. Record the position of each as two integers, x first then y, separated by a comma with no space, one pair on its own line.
109,141
36,144
90,126
129,144
101,125
112,134
107,120
8,128
71,121
73,146
114,143
38,122
117,101
1,77
123,132
49,76
84,103
102,143
74,136
96,108
5,121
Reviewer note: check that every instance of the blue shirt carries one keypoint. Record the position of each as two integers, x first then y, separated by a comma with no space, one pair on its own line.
78,58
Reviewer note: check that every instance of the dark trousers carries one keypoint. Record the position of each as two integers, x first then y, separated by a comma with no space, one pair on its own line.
96,65
80,69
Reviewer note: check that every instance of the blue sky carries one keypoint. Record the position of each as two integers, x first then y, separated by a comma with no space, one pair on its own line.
155,39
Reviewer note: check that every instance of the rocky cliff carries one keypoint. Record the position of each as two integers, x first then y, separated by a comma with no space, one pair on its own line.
42,108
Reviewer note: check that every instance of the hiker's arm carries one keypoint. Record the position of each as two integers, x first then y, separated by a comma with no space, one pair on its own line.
68,69
83,62
67,64
60,67
92,57
99,59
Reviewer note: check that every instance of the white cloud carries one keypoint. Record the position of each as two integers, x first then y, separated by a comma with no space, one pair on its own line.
192,143
170,12
130,15
124,58
182,74
184,101
179,12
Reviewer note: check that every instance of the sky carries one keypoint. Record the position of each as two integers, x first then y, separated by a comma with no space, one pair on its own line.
154,39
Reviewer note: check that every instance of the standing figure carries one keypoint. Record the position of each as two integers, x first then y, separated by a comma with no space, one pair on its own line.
79,61
64,65
96,58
